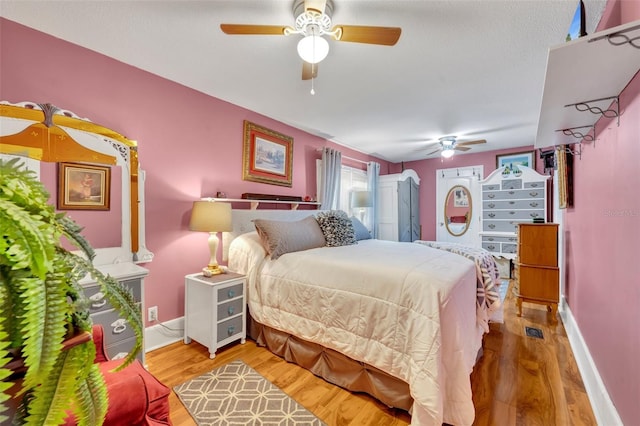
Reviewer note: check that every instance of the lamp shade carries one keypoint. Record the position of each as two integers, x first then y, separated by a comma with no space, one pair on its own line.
313,49
361,199
448,152
210,216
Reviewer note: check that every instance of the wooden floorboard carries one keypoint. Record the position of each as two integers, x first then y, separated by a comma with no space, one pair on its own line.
519,380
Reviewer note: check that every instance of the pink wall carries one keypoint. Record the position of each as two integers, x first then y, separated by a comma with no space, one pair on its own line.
190,144
602,232
426,170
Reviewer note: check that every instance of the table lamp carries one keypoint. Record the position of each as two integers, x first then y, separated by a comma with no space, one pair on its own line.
361,200
212,217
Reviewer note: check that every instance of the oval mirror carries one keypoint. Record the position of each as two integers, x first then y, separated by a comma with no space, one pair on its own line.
457,210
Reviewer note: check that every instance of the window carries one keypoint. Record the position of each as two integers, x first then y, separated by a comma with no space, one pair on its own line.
351,179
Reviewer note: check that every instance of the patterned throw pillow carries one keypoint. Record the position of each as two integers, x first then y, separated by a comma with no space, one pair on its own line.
337,228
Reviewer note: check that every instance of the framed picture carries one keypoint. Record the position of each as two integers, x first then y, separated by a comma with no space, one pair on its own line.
460,198
267,156
509,161
83,187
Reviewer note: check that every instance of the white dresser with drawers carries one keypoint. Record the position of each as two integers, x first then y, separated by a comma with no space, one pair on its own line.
510,198
119,336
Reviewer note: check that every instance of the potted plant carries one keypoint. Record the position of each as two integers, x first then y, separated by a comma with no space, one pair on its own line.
42,307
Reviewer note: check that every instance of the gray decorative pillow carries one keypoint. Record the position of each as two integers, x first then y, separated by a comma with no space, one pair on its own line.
361,231
280,237
337,228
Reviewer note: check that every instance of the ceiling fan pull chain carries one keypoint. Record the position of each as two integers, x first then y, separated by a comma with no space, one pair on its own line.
313,91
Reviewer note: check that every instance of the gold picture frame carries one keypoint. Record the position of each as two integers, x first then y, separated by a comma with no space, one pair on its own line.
83,187
267,156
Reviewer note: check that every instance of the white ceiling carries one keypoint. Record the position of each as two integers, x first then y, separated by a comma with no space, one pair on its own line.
473,69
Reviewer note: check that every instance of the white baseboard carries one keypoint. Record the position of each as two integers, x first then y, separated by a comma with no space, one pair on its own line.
603,408
163,334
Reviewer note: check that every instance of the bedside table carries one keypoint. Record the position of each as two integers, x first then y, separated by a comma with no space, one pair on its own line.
214,310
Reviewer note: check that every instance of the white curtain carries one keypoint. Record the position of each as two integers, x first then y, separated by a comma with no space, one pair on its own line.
373,173
331,169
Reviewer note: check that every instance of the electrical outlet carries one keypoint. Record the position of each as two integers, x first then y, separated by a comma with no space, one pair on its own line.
152,314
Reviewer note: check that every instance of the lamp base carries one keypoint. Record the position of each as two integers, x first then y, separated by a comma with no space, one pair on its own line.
211,270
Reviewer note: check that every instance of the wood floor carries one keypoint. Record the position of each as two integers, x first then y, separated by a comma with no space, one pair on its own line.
519,380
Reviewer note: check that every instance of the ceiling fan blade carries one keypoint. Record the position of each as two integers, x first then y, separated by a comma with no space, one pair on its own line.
235,29
461,148
479,141
433,152
387,36
309,71
315,5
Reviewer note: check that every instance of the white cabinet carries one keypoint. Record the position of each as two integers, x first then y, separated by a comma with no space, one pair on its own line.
119,336
508,199
398,206
214,313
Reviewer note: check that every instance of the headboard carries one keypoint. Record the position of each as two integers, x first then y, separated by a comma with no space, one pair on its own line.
242,222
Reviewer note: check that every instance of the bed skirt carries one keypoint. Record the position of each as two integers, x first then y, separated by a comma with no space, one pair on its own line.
333,366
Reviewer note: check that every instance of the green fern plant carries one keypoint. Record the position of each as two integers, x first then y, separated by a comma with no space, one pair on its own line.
42,305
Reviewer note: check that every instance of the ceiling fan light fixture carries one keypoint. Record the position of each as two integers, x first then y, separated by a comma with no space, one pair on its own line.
313,49
448,152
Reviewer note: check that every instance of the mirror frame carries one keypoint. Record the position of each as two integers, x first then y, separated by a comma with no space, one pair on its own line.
44,132
446,203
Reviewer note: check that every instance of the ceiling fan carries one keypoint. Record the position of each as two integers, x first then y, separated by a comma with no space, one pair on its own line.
313,21
448,145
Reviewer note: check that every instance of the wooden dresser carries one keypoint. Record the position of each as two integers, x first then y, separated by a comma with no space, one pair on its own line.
537,272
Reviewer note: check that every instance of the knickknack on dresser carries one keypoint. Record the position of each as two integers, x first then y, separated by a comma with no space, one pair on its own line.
510,197
42,134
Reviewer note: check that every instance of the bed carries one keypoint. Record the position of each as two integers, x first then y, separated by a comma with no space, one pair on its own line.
397,320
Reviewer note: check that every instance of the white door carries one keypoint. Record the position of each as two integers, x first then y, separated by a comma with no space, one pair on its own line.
458,205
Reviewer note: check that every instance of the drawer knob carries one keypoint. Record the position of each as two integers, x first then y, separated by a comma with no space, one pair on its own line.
232,293
492,215
491,225
512,212
491,195
512,202
533,194
490,239
491,247
534,185
491,205
512,192
533,204
230,330
119,325
231,310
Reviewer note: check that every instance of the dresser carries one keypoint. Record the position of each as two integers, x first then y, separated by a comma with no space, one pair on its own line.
215,310
119,336
508,199
537,273
398,206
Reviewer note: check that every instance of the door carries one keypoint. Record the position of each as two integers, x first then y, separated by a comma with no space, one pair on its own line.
457,188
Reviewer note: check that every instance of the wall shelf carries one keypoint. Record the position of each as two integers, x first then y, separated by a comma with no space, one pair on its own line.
254,203
583,80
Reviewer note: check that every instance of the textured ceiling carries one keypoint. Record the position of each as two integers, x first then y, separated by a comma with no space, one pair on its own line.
473,69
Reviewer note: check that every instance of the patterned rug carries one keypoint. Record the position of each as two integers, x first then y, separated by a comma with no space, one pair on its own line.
236,394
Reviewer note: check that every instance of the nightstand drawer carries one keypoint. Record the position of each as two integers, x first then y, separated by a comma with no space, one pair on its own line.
98,301
229,309
229,328
230,292
115,328
121,349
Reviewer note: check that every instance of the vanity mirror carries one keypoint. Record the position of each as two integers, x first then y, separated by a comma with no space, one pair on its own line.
457,210
44,135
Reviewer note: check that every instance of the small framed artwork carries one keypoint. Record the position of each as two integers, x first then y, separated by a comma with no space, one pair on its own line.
83,187
267,156
510,161
460,198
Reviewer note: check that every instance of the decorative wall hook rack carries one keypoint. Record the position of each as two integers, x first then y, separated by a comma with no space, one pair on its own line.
573,131
612,112
619,38
575,151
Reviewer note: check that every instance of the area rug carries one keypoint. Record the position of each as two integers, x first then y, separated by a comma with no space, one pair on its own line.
236,394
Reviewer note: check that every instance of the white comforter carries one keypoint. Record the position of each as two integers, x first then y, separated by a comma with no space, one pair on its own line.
405,308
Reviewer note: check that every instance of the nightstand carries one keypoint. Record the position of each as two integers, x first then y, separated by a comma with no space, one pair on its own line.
214,311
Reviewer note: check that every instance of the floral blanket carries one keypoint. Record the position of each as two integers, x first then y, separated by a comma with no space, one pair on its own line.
488,298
